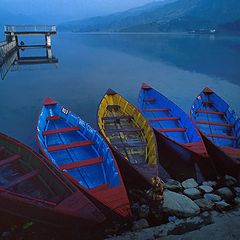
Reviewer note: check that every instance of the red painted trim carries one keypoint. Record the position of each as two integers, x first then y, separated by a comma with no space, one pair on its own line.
172,130
100,187
216,123
145,86
48,101
210,102
53,118
156,110
149,99
210,112
82,163
207,90
222,136
60,130
163,119
69,145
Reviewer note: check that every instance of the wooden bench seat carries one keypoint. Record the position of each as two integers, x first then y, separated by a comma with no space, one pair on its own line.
113,107
149,99
117,118
172,130
9,159
60,130
20,179
222,136
156,110
164,119
53,118
69,145
210,102
82,163
123,130
210,112
131,145
215,123
101,187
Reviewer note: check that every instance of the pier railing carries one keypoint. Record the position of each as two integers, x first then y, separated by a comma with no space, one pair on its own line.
29,28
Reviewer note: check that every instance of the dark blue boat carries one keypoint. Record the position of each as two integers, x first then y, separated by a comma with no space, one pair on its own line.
82,154
173,127
220,126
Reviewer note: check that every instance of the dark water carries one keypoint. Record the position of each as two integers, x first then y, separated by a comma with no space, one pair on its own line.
179,66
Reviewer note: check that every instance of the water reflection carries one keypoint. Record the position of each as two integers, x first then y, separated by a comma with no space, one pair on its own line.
17,61
205,54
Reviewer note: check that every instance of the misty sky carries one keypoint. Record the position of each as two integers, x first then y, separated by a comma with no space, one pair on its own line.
69,9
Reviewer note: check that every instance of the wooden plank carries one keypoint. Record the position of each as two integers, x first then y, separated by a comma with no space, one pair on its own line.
69,145
124,145
2,148
123,130
210,112
172,130
100,187
53,118
82,163
164,119
113,107
149,99
60,130
222,136
210,102
9,159
216,123
20,179
156,110
117,118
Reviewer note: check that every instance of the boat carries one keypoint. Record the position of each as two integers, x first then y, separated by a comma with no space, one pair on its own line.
175,130
219,125
33,189
80,152
128,132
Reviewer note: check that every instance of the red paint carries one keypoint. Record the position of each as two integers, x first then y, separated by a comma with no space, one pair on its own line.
48,101
9,159
211,102
222,136
163,119
210,112
216,123
149,99
82,163
207,90
145,86
60,130
69,145
156,110
171,130
53,118
100,187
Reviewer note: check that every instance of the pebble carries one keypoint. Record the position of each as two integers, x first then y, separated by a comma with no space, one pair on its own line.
225,193
193,193
221,206
213,197
205,204
189,183
230,181
142,223
206,188
173,185
210,183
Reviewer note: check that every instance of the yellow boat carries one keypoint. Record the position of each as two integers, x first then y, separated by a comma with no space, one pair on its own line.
127,130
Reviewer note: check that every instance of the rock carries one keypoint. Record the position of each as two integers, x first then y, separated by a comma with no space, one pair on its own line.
193,193
189,183
205,204
221,206
173,185
230,181
225,193
143,211
237,201
142,223
210,183
205,188
237,191
178,205
213,197
205,214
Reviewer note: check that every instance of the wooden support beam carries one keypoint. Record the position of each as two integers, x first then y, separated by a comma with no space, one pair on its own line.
215,123
172,130
9,160
163,119
222,136
60,130
156,110
210,112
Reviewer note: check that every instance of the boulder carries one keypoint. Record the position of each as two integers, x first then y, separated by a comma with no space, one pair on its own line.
189,183
225,193
213,197
205,188
209,183
230,181
205,204
140,224
178,205
221,206
193,193
173,185
143,211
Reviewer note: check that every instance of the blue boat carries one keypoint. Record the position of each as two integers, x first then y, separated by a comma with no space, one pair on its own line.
80,152
220,127
174,129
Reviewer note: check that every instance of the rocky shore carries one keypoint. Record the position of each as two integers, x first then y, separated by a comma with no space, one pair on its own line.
210,210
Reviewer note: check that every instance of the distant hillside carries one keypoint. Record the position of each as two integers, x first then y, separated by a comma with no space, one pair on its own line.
232,27
169,15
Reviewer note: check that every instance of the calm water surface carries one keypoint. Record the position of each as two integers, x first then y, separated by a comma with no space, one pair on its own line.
179,66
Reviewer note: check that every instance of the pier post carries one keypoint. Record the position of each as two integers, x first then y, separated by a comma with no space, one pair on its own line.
48,40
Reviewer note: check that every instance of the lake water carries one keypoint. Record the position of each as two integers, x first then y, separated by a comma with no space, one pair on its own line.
178,65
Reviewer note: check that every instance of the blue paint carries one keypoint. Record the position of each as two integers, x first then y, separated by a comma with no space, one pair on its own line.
88,176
